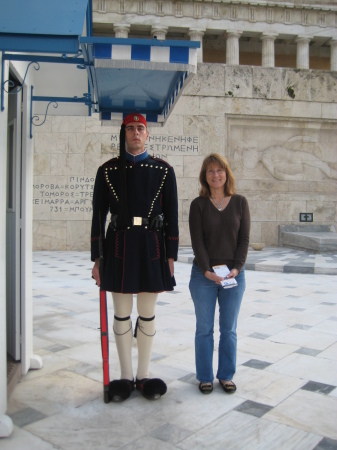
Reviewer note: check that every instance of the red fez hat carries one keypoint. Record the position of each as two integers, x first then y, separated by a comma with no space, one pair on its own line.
134,117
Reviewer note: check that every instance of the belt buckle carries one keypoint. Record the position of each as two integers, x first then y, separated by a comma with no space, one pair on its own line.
137,221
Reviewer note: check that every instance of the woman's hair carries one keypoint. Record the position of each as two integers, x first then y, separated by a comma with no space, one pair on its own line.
229,188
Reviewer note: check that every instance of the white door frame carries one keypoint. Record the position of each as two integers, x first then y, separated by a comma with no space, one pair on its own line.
13,230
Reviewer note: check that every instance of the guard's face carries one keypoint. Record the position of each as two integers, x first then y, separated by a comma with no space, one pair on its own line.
136,135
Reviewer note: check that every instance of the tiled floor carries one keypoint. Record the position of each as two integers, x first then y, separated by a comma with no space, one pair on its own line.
282,259
286,367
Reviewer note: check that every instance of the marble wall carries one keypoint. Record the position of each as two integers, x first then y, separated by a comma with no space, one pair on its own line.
277,127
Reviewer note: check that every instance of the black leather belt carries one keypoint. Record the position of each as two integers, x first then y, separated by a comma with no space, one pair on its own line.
153,223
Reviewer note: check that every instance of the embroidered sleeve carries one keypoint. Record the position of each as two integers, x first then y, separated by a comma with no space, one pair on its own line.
100,207
170,209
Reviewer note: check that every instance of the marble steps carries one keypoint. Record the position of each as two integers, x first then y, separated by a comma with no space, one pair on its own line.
318,242
317,238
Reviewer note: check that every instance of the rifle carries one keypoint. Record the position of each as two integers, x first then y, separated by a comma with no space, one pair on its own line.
104,321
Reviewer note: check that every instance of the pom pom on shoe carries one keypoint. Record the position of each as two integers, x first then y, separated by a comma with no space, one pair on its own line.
120,390
151,388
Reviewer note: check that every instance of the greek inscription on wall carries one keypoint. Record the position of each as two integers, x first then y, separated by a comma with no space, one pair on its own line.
73,196
162,146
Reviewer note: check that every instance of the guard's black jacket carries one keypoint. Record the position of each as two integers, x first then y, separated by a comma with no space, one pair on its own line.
135,259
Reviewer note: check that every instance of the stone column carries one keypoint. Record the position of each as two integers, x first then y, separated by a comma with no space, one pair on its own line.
122,30
232,48
333,54
268,49
302,59
197,35
159,33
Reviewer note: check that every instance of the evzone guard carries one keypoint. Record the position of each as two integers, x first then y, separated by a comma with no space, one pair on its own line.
138,249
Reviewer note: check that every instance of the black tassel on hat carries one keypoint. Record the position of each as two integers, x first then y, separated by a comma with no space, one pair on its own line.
123,215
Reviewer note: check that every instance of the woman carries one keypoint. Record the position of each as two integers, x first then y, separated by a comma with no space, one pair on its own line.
219,225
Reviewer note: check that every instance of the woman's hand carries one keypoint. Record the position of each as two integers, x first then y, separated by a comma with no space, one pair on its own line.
213,277
233,273
95,272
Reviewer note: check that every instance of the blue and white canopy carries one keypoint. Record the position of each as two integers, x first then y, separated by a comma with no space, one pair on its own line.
140,75
121,76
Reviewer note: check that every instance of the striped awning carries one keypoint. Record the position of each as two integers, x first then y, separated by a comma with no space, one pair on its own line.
139,75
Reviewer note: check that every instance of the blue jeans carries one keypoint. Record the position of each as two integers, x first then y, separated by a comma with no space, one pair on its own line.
205,294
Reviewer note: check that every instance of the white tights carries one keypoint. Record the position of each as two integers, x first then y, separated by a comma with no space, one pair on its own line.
146,304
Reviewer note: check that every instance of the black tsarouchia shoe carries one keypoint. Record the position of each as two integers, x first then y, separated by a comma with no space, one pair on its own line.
120,390
151,388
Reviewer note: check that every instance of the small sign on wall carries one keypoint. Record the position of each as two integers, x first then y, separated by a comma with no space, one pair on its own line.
306,217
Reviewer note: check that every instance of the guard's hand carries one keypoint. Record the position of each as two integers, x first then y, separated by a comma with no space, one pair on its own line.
95,273
213,277
171,265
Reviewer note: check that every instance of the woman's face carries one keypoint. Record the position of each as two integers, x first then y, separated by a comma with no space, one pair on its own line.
215,176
